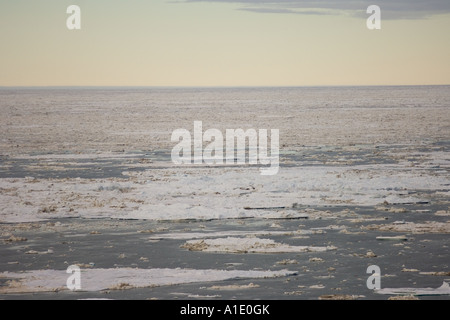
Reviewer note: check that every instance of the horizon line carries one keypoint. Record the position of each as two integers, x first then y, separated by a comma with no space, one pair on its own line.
214,87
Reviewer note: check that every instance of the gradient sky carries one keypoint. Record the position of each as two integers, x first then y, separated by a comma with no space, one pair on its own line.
224,43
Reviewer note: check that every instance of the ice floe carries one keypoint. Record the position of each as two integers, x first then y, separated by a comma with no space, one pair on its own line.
248,245
123,278
212,193
444,289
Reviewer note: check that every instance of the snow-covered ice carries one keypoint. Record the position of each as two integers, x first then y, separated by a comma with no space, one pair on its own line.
248,245
124,278
212,193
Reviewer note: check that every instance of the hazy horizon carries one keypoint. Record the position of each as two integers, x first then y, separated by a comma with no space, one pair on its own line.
220,87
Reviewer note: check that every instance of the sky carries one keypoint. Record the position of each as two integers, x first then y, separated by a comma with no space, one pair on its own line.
224,43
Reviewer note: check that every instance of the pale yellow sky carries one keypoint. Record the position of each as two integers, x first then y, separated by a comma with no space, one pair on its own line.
163,43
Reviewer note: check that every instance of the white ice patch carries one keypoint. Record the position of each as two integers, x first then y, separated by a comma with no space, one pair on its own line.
219,234
213,193
124,278
442,290
248,245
